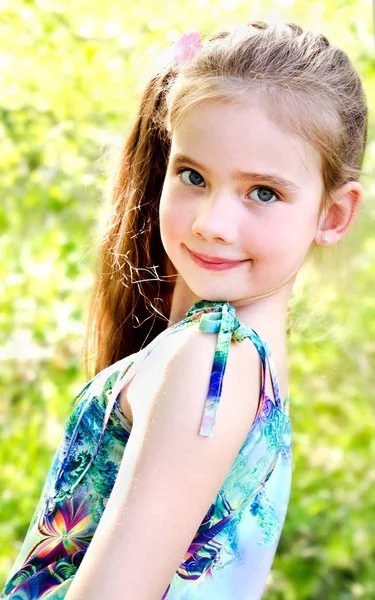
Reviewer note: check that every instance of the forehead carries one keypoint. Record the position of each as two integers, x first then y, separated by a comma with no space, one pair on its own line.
241,136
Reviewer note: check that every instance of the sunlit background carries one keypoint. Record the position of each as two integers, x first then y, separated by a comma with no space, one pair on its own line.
70,76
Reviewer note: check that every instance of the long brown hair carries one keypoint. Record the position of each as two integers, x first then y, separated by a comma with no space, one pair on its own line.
308,86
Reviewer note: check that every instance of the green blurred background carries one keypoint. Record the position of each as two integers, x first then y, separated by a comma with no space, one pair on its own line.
71,73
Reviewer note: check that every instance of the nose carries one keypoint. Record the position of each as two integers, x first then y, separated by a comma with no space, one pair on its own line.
216,219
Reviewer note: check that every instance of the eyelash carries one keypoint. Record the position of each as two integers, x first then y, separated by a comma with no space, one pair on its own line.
263,187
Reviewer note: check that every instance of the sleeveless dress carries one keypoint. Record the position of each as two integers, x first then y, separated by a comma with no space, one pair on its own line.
233,549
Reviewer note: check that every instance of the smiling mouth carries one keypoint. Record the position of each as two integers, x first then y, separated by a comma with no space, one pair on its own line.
214,263
214,259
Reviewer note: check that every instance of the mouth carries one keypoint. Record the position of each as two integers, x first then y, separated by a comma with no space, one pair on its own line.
214,263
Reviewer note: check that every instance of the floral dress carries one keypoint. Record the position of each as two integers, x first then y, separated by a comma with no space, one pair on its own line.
233,549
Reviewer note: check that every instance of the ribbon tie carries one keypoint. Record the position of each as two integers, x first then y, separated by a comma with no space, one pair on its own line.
220,317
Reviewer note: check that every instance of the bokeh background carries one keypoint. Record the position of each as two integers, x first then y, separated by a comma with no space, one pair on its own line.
70,76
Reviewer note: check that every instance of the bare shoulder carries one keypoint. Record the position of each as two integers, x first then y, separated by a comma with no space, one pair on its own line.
184,360
169,474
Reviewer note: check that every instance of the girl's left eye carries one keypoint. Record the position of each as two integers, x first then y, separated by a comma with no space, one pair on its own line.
265,195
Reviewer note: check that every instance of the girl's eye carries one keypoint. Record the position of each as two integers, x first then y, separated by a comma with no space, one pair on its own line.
193,178
264,195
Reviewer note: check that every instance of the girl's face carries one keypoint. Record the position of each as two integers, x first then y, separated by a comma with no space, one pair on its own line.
238,188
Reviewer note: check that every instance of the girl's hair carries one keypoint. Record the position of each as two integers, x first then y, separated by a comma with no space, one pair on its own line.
307,86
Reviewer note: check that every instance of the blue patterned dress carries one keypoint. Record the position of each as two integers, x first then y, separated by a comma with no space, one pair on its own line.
233,549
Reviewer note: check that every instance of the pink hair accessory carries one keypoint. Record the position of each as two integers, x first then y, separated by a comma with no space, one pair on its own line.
187,46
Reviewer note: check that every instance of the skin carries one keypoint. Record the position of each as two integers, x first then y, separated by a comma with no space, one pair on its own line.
270,227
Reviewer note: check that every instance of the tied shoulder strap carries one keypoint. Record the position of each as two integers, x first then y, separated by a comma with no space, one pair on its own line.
220,318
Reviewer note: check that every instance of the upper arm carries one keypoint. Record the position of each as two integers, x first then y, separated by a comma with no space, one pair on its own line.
169,475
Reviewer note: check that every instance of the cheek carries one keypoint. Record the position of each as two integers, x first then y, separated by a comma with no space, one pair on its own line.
288,230
174,223
263,237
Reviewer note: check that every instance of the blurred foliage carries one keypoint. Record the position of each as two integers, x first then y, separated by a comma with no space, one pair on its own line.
71,74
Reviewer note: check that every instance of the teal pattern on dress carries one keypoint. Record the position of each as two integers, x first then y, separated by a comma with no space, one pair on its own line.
232,552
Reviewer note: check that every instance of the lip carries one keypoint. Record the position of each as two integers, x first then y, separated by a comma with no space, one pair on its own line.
213,262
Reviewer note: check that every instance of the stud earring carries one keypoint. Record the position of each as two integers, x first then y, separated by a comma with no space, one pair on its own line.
324,238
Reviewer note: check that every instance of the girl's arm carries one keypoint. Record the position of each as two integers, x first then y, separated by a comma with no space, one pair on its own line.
169,475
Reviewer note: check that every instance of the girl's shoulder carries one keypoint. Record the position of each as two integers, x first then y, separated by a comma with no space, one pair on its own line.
183,347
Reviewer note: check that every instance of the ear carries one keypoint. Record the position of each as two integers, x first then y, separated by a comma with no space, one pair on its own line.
339,215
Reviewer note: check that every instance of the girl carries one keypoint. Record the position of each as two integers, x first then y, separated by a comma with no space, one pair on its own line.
173,476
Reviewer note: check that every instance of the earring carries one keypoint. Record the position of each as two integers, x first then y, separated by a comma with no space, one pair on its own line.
324,238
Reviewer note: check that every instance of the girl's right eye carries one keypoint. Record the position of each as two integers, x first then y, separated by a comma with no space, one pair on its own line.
194,179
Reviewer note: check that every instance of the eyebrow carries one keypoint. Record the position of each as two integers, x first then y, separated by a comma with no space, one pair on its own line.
181,159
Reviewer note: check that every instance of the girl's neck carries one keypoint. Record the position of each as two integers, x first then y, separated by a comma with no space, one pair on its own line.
267,316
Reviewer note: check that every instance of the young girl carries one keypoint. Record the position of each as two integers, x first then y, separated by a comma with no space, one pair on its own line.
173,476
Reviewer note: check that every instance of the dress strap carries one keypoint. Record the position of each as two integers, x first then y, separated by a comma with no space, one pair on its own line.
220,317
275,385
